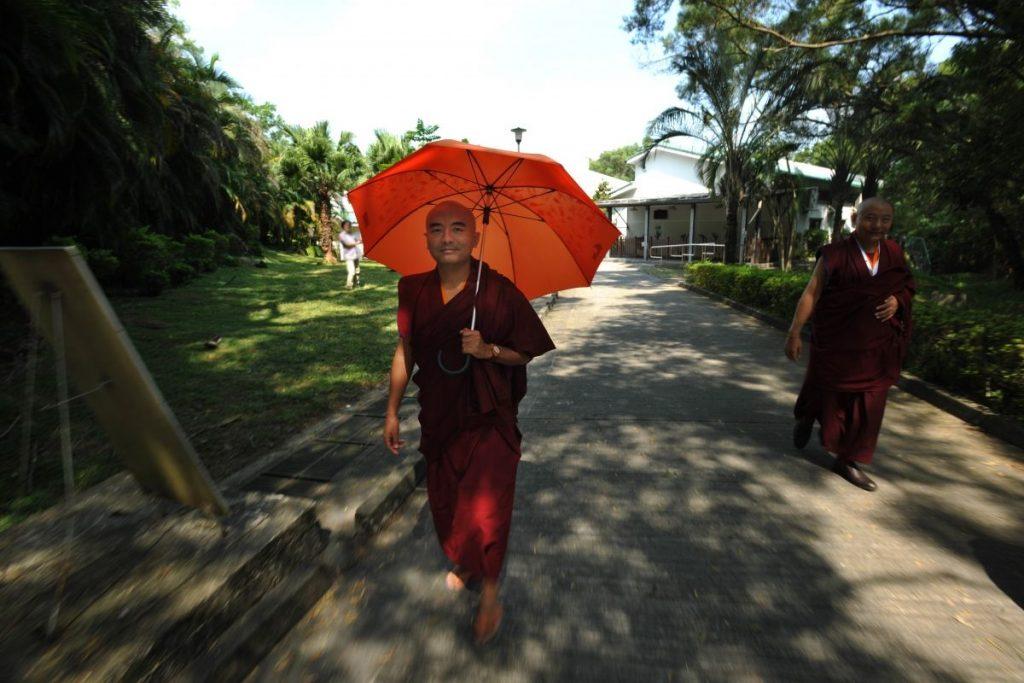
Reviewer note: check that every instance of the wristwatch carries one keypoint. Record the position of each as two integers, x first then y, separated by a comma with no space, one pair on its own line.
495,350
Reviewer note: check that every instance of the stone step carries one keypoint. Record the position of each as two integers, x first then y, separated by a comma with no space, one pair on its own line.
154,591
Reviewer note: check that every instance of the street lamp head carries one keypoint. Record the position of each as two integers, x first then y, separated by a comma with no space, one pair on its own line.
519,133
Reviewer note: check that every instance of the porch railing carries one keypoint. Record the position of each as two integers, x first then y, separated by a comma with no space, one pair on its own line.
690,251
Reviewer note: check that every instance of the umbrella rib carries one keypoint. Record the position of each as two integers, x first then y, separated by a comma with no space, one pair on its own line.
508,236
476,204
513,200
588,204
540,194
416,208
455,189
572,256
514,166
428,171
475,166
516,215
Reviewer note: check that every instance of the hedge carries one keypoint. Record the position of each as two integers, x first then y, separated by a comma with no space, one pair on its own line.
976,353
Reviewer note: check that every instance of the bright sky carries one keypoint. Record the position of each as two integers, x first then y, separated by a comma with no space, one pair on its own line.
565,71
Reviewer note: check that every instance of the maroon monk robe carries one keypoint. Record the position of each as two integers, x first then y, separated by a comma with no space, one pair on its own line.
854,357
469,432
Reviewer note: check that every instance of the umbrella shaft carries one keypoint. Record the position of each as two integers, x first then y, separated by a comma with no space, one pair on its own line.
479,272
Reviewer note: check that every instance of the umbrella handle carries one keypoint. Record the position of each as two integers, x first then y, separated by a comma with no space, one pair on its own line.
440,364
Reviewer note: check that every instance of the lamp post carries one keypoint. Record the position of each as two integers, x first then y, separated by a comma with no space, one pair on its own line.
519,135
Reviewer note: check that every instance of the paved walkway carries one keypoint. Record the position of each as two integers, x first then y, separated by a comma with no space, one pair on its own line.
665,528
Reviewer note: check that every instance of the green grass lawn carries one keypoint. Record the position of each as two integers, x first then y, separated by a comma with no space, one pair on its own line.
296,346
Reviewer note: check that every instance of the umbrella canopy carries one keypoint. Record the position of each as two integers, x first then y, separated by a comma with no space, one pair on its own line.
542,231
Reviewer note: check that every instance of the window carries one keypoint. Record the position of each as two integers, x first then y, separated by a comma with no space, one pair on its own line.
815,224
660,214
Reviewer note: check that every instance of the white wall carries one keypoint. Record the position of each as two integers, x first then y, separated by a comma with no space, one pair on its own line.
710,221
668,174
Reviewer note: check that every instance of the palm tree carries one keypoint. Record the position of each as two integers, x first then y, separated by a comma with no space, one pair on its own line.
115,112
323,169
739,101
386,150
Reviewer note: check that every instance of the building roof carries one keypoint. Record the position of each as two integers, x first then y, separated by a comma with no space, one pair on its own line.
805,170
657,201
662,147
590,180
797,168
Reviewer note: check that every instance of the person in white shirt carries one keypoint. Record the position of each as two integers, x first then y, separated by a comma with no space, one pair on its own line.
351,252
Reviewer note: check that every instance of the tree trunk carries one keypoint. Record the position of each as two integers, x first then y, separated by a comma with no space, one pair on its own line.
732,209
1010,243
837,219
324,228
871,179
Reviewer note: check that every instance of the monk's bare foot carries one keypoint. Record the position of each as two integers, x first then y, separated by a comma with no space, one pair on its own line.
488,623
457,579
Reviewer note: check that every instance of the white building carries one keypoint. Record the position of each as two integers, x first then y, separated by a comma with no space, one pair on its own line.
667,203
589,180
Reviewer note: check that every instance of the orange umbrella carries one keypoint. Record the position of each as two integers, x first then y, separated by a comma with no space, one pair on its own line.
539,229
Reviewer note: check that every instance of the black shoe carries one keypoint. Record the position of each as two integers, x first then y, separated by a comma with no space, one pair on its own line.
851,473
802,431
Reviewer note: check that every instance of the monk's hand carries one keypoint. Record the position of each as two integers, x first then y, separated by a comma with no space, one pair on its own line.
473,344
391,434
887,309
794,345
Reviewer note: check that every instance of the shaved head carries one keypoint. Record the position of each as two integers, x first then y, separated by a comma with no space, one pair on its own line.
452,210
451,234
872,221
875,202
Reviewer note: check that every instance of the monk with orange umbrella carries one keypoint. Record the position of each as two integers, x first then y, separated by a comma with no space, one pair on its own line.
467,325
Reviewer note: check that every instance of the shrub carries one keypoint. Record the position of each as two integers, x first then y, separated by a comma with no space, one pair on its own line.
180,273
221,246
977,353
815,239
153,282
104,265
236,245
200,252
146,258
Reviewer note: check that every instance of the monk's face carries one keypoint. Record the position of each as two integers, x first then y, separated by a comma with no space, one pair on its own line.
451,234
873,221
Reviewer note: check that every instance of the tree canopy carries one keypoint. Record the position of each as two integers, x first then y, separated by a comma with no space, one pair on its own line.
614,162
942,139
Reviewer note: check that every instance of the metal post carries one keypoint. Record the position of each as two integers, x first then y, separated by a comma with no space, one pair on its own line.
57,321
25,467
693,228
647,232
743,232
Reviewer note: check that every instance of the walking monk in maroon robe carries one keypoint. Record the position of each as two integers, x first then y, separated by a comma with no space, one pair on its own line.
469,434
860,297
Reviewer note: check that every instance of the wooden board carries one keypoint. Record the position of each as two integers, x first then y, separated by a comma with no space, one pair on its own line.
130,407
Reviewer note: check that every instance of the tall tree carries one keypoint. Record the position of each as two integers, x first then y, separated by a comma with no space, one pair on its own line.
109,107
323,169
386,150
421,134
955,144
615,162
738,101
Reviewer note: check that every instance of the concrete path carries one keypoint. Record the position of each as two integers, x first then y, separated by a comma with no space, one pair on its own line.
665,528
